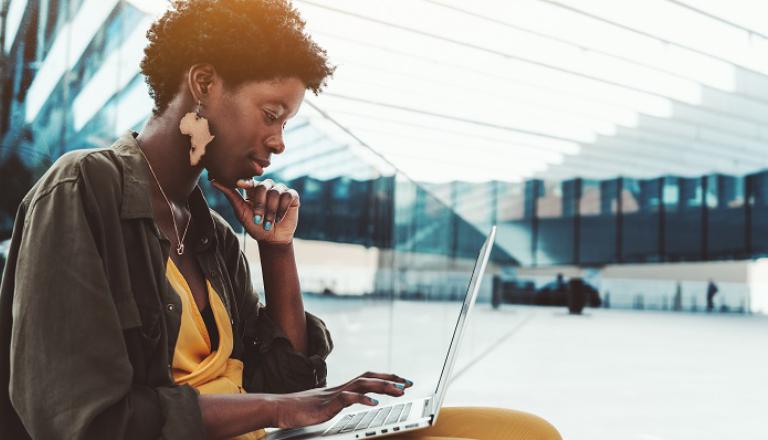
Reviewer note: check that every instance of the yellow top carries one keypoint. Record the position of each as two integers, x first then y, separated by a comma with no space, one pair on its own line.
194,364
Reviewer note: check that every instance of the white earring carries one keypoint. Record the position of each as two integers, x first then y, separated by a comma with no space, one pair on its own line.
196,127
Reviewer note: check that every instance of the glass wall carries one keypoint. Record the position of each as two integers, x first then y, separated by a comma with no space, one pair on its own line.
683,214
555,220
598,221
757,213
515,213
640,220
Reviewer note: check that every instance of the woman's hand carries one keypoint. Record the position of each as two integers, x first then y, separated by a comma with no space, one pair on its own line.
314,406
269,212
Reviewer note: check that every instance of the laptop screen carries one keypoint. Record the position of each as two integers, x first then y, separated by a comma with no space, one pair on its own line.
469,300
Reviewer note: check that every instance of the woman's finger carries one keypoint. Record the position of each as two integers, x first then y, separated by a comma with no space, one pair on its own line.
348,398
241,207
257,196
373,385
286,200
389,377
270,208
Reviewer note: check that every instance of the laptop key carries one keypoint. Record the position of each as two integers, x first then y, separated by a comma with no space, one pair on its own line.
406,411
380,417
394,415
353,423
367,419
340,424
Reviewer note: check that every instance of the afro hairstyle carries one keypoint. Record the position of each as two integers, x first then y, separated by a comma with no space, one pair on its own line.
244,40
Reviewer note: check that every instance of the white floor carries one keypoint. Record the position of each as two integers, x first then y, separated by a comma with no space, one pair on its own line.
609,374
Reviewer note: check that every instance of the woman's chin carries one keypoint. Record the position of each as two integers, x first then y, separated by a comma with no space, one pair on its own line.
224,180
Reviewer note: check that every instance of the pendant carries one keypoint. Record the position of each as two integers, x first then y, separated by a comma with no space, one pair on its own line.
180,248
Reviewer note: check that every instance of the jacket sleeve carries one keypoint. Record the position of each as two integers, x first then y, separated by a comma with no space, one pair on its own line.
271,363
70,374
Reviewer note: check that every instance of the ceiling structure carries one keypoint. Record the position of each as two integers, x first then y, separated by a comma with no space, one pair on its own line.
483,90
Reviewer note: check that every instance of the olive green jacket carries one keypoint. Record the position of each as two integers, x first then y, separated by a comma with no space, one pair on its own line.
88,321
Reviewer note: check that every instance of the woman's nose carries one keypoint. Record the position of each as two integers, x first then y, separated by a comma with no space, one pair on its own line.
276,144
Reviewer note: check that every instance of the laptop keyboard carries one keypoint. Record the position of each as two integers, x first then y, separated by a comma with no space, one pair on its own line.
371,419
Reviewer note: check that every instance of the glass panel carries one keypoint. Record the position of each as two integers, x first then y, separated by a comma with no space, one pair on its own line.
726,217
640,201
683,216
759,213
598,221
514,218
555,209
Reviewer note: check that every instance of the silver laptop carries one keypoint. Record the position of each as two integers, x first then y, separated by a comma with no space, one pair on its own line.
405,415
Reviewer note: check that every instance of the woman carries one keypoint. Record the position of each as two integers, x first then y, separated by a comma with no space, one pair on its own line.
130,311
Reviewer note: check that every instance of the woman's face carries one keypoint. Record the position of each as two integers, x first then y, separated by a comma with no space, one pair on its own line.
248,123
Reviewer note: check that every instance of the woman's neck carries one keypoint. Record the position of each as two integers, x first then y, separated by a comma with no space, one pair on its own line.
168,152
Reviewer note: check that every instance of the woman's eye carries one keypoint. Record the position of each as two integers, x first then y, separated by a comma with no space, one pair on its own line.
271,117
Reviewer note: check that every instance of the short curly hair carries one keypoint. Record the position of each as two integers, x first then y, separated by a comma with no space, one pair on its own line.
243,39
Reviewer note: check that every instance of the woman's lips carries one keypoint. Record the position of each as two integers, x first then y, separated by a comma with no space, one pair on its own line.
257,169
258,165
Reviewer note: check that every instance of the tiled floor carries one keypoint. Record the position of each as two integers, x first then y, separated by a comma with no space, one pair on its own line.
609,374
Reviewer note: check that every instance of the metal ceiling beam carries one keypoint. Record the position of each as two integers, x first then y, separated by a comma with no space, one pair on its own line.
647,34
525,60
719,19
593,49
675,119
673,141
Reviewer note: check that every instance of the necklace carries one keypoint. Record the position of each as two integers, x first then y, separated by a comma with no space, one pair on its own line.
180,241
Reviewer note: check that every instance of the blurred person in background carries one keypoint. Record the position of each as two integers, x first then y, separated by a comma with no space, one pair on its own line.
711,292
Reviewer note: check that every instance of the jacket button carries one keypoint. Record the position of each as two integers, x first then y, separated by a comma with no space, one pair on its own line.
204,240
171,307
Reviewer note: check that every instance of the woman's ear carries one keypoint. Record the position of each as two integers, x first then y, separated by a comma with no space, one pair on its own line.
200,77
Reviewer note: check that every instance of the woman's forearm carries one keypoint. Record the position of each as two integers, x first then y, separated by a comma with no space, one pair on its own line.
229,415
283,293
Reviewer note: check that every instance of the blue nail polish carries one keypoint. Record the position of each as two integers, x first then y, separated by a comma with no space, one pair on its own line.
267,225
408,382
375,402
257,219
399,385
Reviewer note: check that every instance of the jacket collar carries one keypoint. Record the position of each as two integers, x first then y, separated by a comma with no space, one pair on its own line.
138,186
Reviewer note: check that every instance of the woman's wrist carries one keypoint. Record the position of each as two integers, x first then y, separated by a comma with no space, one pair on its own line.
277,406
229,415
268,246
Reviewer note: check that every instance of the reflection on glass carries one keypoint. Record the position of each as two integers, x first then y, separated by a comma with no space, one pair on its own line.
555,210
683,216
598,221
640,233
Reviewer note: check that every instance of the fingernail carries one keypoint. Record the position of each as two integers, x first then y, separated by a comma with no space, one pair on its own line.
408,382
374,401
399,385
267,225
257,219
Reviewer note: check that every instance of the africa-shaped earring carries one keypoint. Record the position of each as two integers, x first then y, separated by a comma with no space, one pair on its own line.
196,127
